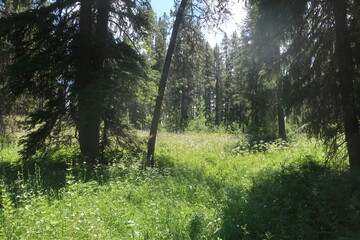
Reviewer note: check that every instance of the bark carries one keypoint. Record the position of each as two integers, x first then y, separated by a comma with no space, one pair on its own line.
90,77
280,110
99,55
162,84
101,35
346,75
86,123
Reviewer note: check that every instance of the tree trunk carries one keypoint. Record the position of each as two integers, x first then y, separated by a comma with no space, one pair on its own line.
99,55
344,58
207,100
218,101
162,84
101,35
281,119
90,76
87,122
280,110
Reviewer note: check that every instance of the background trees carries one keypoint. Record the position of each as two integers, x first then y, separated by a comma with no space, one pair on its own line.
89,69
286,65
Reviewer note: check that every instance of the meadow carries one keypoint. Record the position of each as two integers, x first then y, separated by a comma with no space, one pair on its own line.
205,186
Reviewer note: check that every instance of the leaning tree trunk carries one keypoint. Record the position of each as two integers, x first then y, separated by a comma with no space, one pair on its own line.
162,84
344,59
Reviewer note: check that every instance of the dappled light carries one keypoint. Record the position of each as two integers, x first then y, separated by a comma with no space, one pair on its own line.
125,119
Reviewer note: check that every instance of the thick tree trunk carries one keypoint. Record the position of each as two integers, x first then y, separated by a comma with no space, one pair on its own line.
345,63
101,36
90,76
99,55
162,84
87,123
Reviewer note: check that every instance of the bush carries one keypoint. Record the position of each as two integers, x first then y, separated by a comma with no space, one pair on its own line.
198,125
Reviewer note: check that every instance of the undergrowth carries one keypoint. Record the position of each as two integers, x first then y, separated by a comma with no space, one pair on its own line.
205,186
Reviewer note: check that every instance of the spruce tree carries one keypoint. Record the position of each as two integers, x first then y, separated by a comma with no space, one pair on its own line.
67,57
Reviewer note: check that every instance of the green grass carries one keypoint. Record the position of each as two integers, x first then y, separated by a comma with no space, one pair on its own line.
205,186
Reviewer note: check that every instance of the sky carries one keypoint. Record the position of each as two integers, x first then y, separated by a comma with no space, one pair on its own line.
215,36
161,6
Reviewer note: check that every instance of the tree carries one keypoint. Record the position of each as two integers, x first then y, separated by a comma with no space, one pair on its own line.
185,88
61,55
270,22
162,84
320,67
345,73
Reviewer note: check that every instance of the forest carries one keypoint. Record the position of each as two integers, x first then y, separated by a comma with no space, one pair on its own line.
116,123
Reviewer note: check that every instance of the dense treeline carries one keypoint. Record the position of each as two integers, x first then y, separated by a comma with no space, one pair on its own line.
89,70
293,63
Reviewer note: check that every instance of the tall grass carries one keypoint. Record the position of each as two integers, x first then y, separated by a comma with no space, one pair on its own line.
205,186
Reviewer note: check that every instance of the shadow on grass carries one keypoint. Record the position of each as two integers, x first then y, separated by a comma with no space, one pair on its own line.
49,174
305,201
300,201
196,175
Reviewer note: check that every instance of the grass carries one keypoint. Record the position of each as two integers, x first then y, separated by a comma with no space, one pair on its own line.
205,186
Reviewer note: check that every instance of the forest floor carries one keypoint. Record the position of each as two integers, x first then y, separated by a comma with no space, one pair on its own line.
205,186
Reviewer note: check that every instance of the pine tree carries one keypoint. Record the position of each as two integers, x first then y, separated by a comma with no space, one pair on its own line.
321,79
61,55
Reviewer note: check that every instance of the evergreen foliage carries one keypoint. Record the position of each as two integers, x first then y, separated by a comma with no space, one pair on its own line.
44,47
79,76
